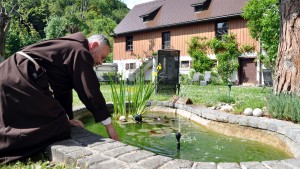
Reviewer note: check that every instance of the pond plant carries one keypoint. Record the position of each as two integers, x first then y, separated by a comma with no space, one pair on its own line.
130,100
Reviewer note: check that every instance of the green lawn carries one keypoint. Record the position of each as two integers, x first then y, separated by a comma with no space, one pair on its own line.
241,97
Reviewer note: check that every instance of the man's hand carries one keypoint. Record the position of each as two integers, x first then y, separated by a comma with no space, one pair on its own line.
112,132
76,123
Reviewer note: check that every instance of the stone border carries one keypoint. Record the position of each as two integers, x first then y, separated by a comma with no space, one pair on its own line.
87,150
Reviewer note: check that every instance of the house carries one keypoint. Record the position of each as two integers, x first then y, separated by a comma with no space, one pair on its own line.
170,24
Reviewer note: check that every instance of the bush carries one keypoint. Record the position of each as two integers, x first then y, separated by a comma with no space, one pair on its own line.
185,79
284,106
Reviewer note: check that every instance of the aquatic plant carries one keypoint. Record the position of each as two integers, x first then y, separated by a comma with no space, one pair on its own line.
135,96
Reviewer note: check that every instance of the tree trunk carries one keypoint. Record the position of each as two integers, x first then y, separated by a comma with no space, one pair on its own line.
287,72
4,26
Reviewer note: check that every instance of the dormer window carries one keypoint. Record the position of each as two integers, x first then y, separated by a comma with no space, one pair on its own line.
198,8
150,15
201,5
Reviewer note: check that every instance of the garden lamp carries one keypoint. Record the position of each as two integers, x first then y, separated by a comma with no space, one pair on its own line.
229,89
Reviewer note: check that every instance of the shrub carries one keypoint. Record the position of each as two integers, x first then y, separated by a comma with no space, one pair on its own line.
284,106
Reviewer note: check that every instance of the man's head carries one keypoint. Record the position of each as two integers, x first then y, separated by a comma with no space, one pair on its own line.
99,47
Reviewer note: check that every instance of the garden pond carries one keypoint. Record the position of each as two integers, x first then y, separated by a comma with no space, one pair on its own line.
157,134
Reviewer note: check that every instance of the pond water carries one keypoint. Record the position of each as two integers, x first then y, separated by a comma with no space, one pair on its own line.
157,134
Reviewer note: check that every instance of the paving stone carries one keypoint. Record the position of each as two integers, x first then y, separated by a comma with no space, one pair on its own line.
72,157
153,102
252,165
244,121
148,103
165,103
198,112
294,163
111,164
283,125
292,132
297,139
276,165
272,125
108,146
88,140
159,103
52,149
178,106
210,115
100,142
253,122
186,108
119,151
154,162
228,166
60,154
204,165
135,156
177,164
223,117
263,123
234,119
90,160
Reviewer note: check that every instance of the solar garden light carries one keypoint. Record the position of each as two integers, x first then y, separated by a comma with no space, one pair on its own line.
229,89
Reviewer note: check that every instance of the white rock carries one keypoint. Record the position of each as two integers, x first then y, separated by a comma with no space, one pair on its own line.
122,119
248,112
257,112
227,108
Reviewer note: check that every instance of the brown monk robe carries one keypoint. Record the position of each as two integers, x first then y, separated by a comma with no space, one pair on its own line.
30,118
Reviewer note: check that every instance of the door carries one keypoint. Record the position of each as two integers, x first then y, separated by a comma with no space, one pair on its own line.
247,72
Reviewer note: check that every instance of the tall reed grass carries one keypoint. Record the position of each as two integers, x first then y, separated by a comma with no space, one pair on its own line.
131,99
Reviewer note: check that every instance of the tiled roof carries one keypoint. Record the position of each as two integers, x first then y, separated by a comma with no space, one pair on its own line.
176,12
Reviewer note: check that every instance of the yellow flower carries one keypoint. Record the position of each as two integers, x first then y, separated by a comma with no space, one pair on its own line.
158,67
154,73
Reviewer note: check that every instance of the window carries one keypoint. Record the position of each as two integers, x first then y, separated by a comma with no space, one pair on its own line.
166,40
129,43
221,29
198,8
130,66
150,15
127,66
185,64
201,5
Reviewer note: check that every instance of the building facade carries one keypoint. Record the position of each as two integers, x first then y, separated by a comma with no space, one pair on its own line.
170,24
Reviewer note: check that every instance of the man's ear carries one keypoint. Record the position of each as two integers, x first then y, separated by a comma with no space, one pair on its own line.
94,45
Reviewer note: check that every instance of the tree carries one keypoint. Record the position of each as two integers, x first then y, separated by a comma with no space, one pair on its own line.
227,53
4,27
263,23
287,72
198,51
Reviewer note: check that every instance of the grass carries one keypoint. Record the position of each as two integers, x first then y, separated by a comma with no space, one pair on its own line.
241,98
210,95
